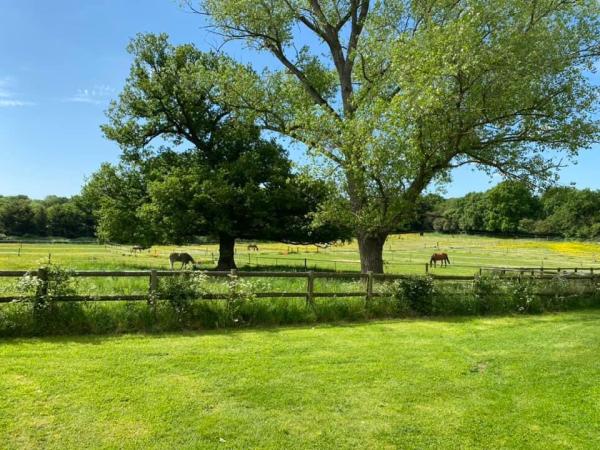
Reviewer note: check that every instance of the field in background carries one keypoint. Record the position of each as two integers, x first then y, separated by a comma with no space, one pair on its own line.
520,382
406,253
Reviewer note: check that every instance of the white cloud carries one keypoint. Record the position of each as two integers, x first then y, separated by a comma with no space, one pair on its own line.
97,95
4,91
7,103
7,95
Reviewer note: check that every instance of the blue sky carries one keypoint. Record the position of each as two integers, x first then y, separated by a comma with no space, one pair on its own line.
62,61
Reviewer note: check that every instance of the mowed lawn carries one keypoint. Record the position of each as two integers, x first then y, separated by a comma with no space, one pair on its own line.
517,382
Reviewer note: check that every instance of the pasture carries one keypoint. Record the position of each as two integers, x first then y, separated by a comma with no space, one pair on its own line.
404,254
519,382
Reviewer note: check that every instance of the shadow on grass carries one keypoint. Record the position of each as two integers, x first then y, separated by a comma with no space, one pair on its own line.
514,320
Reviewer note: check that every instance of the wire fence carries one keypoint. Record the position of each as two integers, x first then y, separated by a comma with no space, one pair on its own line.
299,259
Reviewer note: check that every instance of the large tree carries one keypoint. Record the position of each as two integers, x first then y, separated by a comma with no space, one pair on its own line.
396,93
213,173
17,216
507,204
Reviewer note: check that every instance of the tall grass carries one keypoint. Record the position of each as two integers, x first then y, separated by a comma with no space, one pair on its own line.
178,304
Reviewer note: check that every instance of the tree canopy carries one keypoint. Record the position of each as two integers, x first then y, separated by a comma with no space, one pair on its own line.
213,174
52,216
396,94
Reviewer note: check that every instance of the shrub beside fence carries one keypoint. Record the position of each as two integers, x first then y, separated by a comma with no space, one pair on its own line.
153,277
50,304
310,294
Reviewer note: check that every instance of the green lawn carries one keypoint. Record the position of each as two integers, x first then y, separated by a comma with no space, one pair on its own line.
518,382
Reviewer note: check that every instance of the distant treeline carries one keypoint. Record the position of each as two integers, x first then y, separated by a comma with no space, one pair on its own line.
512,208
53,216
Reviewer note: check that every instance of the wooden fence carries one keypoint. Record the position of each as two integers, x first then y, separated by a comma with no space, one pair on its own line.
309,294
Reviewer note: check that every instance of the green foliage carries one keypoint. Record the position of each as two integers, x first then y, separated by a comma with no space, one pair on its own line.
180,290
485,293
53,216
230,184
506,205
42,292
239,292
415,291
497,295
181,302
511,207
571,213
57,282
399,93
500,210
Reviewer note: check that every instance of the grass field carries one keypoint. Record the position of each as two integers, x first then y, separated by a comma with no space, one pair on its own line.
405,253
521,382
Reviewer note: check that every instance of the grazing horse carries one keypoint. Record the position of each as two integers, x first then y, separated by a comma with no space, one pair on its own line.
183,258
442,257
253,247
138,248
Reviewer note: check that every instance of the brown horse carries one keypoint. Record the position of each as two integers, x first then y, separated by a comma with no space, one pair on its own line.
442,257
253,247
183,258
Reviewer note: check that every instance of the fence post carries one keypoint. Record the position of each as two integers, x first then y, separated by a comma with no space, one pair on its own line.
152,291
369,285
153,282
42,290
305,265
310,288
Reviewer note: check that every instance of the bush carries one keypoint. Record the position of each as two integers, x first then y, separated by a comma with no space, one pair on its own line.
41,292
524,296
179,291
488,294
183,290
178,303
416,292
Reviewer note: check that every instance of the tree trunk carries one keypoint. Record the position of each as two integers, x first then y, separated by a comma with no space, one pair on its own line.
226,253
370,247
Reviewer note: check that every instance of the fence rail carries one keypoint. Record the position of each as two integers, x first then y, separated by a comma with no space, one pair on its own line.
542,270
309,294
